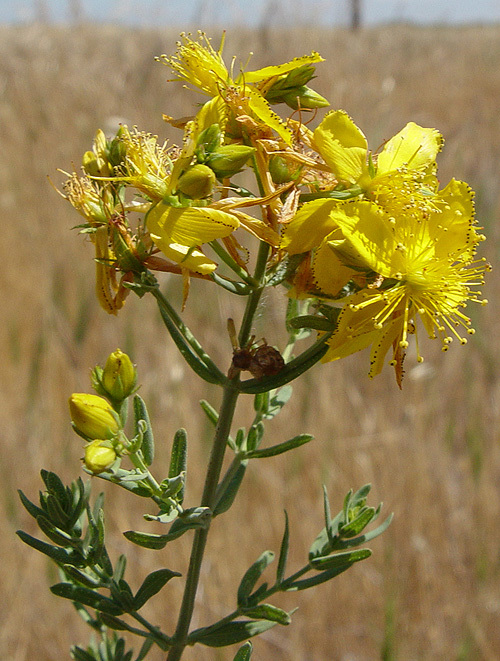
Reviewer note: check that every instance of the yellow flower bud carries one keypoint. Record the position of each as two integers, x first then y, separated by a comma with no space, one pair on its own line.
98,457
198,182
92,416
119,375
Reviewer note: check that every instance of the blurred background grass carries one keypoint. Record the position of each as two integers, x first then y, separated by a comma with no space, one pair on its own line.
431,590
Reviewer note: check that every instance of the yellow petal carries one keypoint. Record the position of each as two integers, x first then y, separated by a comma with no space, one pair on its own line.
343,146
309,227
280,69
212,112
383,344
413,147
451,226
189,258
258,228
261,109
368,239
329,272
189,226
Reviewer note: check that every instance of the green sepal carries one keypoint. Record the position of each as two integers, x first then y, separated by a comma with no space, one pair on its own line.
230,634
59,555
178,460
86,597
244,653
226,498
274,450
283,557
148,444
152,584
268,612
252,575
340,559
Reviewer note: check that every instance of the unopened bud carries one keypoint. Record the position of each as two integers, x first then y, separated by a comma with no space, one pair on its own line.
304,97
98,457
119,375
198,182
281,170
227,160
92,416
210,138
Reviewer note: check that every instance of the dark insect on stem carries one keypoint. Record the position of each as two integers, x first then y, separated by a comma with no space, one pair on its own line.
260,360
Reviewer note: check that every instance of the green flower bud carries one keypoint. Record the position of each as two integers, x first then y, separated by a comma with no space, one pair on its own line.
119,376
93,416
227,160
304,97
98,456
210,138
281,170
197,182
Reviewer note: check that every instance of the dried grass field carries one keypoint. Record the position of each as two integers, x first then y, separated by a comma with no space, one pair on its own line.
431,591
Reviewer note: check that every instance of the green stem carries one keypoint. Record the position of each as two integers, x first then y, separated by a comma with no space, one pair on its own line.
254,298
200,539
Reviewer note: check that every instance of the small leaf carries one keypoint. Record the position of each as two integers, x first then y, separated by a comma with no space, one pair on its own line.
278,401
274,450
318,578
226,498
54,534
55,512
61,556
86,597
339,559
312,321
255,436
148,443
113,622
82,577
355,526
252,575
152,584
268,612
79,654
231,633
178,458
120,568
29,506
55,487
147,540
210,412
147,645
244,653
280,572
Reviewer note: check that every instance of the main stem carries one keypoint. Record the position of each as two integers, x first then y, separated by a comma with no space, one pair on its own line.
222,431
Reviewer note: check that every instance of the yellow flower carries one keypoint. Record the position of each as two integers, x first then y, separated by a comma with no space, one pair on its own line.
426,270
98,456
197,63
401,178
93,417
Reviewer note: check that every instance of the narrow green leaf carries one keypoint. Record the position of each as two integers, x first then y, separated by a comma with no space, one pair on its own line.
274,450
255,436
87,597
210,412
178,459
148,443
322,545
359,498
79,654
261,403
244,653
231,633
30,507
278,401
268,612
339,559
328,517
226,498
147,540
252,575
324,576
312,321
55,487
147,645
283,557
362,539
152,584
61,556
120,567
55,512
114,623
54,534
82,577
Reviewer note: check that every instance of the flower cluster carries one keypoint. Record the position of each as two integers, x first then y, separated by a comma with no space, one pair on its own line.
371,234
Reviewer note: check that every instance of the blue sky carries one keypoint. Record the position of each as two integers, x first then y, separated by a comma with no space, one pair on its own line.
226,12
